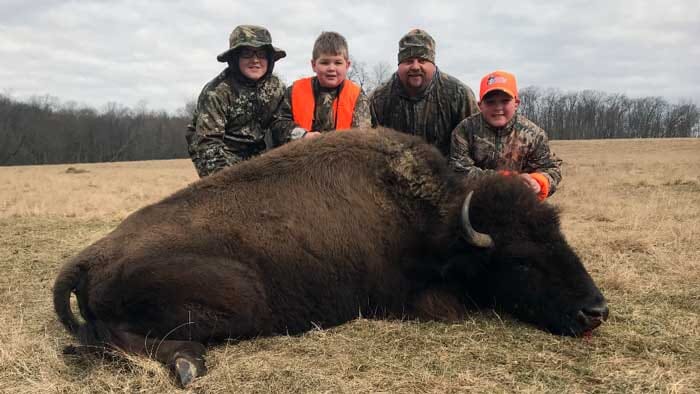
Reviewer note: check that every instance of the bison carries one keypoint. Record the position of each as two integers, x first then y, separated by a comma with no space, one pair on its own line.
315,233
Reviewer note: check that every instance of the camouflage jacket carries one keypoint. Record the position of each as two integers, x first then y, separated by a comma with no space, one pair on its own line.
284,124
232,119
433,114
521,146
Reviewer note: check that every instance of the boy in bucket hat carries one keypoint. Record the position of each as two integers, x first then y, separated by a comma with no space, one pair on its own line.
325,102
500,140
232,120
419,98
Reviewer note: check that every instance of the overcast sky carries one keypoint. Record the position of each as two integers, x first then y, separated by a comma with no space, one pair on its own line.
161,53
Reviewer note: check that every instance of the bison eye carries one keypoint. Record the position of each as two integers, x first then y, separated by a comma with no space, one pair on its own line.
521,263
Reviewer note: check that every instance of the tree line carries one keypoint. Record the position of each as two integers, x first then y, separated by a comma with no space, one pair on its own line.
45,131
42,130
591,114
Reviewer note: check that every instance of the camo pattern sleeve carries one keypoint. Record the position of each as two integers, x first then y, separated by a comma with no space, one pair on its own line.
466,106
361,117
205,135
460,147
540,157
283,120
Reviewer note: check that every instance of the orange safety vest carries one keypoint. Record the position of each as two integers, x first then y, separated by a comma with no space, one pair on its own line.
304,103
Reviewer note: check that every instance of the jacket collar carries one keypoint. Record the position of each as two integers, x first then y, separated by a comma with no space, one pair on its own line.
500,131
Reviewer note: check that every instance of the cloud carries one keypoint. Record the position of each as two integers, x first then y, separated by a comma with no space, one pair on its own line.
162,53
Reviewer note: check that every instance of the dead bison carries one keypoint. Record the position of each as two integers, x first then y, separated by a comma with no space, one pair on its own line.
313,233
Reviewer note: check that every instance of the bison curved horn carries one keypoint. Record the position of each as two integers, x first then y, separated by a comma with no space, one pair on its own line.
474,237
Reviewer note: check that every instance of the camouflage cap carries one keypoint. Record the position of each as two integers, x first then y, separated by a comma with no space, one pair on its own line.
251,36
417,43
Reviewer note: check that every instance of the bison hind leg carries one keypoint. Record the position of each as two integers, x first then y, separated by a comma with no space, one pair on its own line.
440,304
184,358
95,339
187,365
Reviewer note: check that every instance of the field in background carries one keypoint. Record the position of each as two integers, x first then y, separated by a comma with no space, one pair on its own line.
631,209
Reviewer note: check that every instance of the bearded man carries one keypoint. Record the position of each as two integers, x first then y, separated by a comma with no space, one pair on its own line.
419,99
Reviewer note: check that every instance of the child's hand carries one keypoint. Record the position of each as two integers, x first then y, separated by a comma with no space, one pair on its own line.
531,182
312,134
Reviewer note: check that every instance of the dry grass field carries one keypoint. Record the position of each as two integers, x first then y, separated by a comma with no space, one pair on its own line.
631,209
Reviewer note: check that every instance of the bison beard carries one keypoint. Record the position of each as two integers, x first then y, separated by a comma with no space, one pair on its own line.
313,233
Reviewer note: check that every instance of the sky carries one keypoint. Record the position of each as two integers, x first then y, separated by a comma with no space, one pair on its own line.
159,54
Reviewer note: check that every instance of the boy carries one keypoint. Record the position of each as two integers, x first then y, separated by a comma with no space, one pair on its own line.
499,139
325,102
234,111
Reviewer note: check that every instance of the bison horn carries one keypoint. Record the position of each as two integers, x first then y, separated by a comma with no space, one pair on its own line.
474,237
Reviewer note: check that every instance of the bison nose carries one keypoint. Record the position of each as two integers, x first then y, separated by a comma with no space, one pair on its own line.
591,317
599,311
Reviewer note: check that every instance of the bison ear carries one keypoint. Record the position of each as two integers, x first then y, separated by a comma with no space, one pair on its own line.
480,240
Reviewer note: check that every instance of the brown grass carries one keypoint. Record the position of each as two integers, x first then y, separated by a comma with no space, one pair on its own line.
631,208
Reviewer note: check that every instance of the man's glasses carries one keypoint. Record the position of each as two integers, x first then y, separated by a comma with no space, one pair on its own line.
249,53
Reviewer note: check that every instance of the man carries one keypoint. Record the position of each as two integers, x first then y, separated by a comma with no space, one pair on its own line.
419,99
234,111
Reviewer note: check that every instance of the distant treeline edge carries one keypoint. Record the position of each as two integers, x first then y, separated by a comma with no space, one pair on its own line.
42,130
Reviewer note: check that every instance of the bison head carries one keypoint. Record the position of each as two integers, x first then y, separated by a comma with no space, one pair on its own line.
521,263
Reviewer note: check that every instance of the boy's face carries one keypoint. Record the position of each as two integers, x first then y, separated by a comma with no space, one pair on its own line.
252,62
330,69
498,108
416,73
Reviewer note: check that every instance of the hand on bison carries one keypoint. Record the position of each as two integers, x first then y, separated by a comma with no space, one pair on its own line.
531,182
312,134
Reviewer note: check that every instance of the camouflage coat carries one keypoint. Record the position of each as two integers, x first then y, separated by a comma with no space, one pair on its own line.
433,114
283,124
521,146
232,120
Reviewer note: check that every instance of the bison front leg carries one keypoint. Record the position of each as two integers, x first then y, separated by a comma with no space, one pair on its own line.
187,362
184,358
438,303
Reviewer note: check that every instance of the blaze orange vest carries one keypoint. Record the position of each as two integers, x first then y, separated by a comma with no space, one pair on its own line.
304,104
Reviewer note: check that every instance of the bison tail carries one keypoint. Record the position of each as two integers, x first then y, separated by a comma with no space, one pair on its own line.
65,284
68,281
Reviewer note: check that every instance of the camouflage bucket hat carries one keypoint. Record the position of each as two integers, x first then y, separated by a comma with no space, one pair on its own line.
417,43
252,36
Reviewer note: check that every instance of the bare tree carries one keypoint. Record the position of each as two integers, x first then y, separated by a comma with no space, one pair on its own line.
358,73
188,110
681,120
381,72
369,80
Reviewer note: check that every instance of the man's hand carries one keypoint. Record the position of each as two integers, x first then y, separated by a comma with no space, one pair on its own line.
531,182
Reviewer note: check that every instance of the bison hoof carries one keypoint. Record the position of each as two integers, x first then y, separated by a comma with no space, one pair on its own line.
187,370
